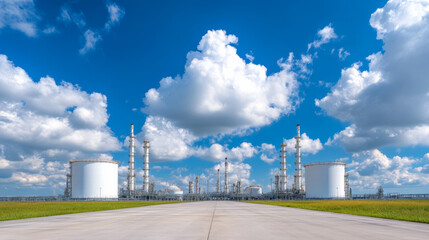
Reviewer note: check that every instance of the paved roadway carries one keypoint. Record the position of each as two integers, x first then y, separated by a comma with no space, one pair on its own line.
211,220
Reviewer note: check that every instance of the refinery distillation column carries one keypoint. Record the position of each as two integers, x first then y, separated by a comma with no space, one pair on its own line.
146,167
191,187
226,176
298,171
283,168
218,182
131,174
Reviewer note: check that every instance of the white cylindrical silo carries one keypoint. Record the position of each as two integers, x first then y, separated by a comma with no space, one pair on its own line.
94,178
253,190
325,180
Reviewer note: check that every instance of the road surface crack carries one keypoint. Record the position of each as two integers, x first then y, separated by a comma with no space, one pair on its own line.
210,229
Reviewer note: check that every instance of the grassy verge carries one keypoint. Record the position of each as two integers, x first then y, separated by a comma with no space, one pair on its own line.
20,210
408,210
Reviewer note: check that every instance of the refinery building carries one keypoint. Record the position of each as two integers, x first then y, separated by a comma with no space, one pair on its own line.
98,179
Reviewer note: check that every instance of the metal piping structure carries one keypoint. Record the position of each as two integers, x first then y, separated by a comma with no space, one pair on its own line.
218,182
283,176
146,167
197,185
131,169
68,189
277,183
239,186
347,186
152,188
297,186
226,176
191,187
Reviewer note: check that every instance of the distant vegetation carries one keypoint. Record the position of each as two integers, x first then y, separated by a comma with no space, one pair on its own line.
408,210
19,210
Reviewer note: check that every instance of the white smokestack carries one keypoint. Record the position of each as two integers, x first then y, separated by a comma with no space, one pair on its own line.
218,182
197,185
191,187
226,176
131,169
146,167
283,176
298,171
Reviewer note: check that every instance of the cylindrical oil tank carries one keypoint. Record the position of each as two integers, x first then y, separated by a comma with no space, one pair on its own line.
253,190
325,180
94,178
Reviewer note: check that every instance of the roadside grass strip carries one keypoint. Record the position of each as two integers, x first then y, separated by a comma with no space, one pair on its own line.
407,210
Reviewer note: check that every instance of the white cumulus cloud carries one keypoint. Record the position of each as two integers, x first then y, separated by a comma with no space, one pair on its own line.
387,104
220,93
370,169
44,122
308,145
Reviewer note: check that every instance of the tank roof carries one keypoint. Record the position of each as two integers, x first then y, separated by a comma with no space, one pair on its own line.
94,160
325,163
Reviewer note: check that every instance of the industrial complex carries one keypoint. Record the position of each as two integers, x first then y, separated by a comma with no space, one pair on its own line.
98,179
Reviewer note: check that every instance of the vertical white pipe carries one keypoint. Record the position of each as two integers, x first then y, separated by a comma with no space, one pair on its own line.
191,187
226,176
197,185
146,166
283,176
298,171
218,182
131,169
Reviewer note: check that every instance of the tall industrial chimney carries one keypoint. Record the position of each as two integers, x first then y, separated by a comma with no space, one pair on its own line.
146,167
191,187
131,169
197,185
218,182
226,176
239,186
298,171
277,183
283,176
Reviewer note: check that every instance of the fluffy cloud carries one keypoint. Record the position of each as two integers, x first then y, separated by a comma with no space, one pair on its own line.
308,145
387,105
220,93
236,171
370,169
42,123
91,39
167,142
324,35
268,153
32,171
116,13
170,143
20,15
218,152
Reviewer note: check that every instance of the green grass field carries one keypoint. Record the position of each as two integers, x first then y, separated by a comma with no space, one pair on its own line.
408,210
20,210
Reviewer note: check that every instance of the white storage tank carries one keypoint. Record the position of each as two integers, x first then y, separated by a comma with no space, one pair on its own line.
325,180
253,190
94,178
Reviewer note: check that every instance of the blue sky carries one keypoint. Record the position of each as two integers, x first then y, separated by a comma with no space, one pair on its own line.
204,80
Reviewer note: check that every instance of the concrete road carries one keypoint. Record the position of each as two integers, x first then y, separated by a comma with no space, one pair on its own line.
211,220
